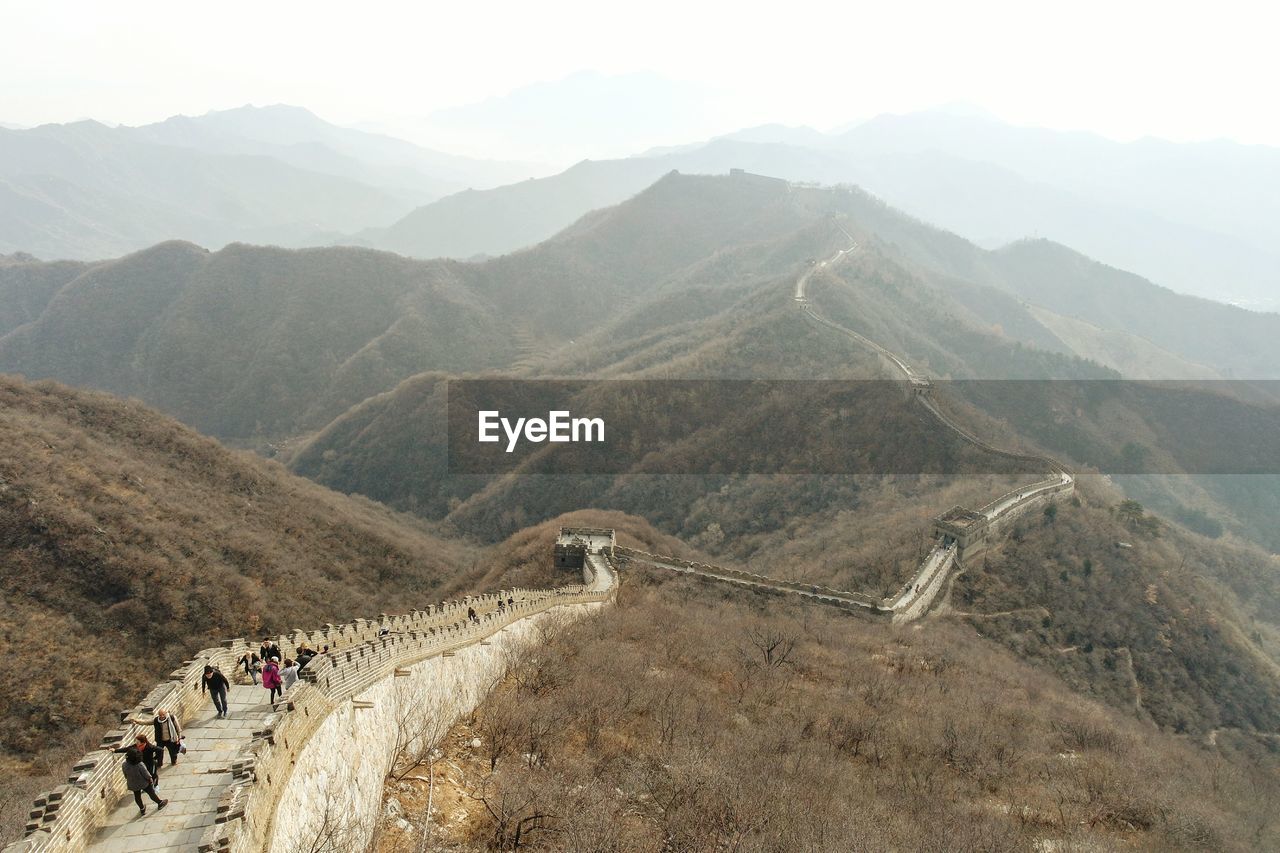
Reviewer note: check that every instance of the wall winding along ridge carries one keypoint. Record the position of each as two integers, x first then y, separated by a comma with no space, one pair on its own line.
917,595
329,743
340,767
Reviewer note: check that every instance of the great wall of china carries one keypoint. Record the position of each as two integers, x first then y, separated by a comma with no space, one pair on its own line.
227,792
253,782
961,533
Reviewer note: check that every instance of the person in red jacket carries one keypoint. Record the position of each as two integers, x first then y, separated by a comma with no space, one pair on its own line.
271,678
150,754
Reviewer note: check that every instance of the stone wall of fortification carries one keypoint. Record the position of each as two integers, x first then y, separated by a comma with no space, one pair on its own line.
855,601
363,653
334,787
1002,522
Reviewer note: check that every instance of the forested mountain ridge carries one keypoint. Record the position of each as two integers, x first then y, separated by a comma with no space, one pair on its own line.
260,341
252,340
400,317
1240,343
691,278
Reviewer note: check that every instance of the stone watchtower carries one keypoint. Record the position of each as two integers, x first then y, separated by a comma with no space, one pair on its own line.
966,528
575,543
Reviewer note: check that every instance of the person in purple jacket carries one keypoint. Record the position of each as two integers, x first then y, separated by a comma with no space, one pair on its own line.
271,678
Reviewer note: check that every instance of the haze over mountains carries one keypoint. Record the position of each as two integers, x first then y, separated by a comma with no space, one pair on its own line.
587,113
267,175
690,278
1195,218
329,327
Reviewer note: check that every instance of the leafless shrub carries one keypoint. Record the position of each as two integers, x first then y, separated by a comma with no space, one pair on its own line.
340,830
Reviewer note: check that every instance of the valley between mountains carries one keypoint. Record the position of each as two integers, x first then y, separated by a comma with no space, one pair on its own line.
201,445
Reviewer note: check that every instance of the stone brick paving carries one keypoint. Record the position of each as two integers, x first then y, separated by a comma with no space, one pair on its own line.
192,786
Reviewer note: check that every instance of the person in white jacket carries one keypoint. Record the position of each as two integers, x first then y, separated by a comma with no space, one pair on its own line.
289,675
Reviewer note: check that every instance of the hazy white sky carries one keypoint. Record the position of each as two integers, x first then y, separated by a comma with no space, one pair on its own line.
1120,69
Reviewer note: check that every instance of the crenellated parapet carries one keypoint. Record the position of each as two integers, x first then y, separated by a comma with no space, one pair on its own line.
361,653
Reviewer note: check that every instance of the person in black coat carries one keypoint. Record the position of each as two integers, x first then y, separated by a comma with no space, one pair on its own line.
268,650
217,684
140,781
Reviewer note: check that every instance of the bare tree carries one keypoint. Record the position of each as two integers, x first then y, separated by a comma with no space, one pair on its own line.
774,645
517,808
536,669
499,726
340,829
421,729
420,732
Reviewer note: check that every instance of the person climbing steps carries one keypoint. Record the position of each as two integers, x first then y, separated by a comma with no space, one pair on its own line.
217,685
140,781
271,679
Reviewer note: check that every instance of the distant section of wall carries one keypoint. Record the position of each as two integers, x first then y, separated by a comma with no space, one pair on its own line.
854,601
914,598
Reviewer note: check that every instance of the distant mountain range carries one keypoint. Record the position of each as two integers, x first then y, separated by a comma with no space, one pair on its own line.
257,341
690,278
271,175
1200,219
298,137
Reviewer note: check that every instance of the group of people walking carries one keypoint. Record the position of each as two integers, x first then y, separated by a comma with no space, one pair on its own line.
277,676
144,758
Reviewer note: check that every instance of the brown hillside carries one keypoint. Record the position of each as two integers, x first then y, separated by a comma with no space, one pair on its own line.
701,717
128,541
1175,627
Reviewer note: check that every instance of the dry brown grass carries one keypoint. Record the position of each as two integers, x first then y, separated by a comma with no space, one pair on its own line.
665,726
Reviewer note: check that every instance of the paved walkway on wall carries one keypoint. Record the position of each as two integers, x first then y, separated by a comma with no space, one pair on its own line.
835,597
195,785
192,786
